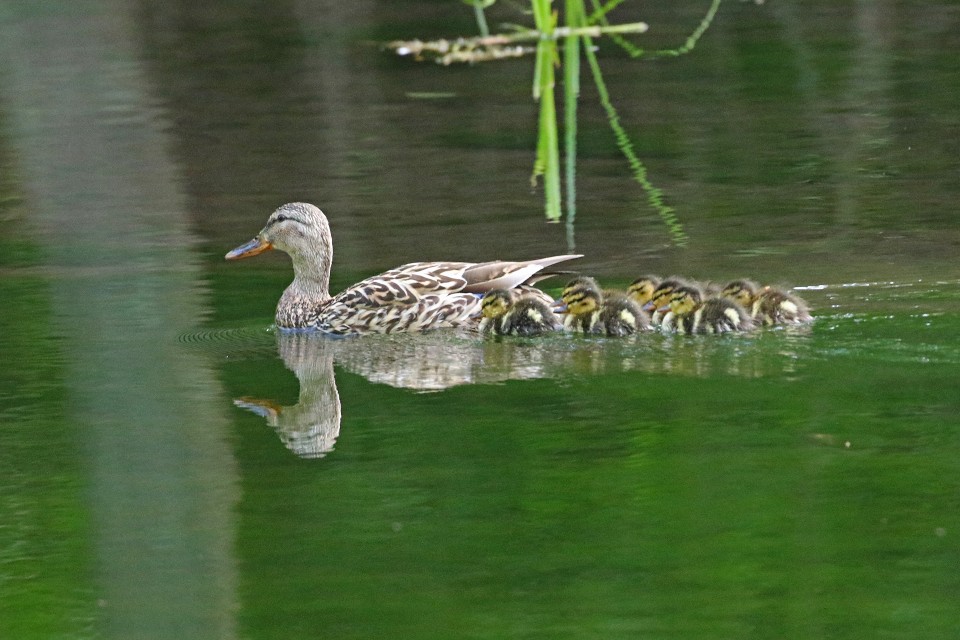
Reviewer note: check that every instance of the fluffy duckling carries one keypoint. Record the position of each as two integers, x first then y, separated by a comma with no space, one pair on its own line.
525,316
620,316
691,313
641,290
590,311
659,304
768,305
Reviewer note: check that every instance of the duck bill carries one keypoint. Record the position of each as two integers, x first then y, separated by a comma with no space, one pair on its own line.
559,306
252,248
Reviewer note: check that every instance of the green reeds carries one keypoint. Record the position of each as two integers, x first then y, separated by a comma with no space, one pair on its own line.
577,36
571,92
478,7
547,161
654,194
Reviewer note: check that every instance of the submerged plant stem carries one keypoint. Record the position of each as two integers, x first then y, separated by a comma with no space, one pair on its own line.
547,162
481,19
571,91
654,195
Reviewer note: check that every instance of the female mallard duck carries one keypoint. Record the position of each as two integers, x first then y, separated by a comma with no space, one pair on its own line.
412,297
768,305
590,311
507,315
691,313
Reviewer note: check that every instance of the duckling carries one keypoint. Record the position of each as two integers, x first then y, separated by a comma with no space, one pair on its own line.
768,305
691,313
743,292
659,303
620,316
590,311
641,290
525,316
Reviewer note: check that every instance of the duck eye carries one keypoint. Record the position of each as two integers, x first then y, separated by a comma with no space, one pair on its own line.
282,217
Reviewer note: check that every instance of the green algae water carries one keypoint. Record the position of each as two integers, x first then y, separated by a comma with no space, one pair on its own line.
773,485
173,467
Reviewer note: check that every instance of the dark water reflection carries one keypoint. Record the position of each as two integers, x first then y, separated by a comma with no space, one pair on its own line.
782,485
440,360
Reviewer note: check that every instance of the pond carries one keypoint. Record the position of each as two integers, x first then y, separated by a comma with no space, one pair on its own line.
171,466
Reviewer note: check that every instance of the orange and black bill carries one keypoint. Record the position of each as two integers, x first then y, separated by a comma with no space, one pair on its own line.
252,248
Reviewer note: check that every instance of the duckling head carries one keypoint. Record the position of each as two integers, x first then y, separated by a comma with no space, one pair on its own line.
641,290
743,292
684,300
496,303
582,296
660,297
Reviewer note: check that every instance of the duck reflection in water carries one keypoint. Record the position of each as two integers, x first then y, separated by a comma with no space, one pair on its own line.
309,428
420,362
434,361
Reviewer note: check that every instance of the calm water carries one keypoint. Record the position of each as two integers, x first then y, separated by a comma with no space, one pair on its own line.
170,467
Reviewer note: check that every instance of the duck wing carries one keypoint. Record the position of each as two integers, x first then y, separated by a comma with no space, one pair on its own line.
410,283
487,276
404,285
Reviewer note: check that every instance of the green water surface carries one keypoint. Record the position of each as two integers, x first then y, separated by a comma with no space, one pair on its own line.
171,467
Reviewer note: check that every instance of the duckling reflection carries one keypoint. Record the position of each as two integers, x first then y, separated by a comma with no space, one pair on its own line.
431,362
311,427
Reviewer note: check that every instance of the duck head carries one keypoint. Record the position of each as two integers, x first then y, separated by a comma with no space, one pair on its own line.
743,292
641,290
300,230
496,303
582,296
660,297
685,300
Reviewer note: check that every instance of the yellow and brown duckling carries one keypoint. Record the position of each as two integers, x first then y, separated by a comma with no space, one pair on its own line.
505,314
641,290
413,297
690,312
659,303
590,310
768,305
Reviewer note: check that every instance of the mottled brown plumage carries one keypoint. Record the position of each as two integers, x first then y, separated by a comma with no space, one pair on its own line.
412,297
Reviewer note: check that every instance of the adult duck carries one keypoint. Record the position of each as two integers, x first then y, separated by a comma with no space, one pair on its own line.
412,297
